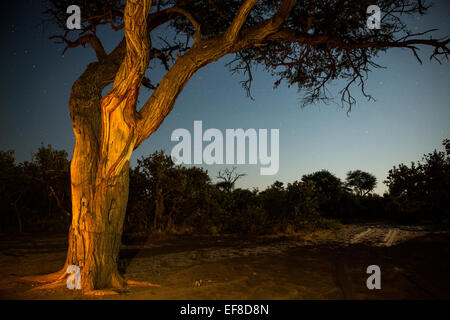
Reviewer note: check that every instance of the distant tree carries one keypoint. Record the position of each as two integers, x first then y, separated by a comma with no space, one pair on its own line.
170,194
274,200
51,168
228,179
245,213
157,169
47,190
37,192
7,161
192,193
140,203
361,182
10,190
446,144
328,190
302,201
423,187
324,182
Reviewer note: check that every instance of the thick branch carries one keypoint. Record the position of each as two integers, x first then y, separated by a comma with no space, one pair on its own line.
236,25
254,36
163,99
123,96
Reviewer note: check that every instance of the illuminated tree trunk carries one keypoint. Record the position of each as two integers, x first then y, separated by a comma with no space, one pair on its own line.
105,136
96,230
100,182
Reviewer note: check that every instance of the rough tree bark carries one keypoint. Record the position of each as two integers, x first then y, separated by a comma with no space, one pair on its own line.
105,136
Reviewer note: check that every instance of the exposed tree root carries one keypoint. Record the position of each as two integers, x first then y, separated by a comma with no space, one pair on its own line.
133,283
48,286
120,282
58,280
100,292
61,283
46,278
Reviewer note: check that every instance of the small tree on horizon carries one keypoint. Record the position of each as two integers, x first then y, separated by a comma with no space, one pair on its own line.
362,183
228,179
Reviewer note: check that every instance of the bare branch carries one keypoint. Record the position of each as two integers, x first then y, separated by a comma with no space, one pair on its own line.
90,39
195,23
305,38
229,178
148,84
106,18
256,44
127,83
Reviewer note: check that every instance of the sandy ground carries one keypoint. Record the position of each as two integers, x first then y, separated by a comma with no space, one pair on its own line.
414,264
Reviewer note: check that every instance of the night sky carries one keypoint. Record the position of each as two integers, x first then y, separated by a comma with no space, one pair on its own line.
410,117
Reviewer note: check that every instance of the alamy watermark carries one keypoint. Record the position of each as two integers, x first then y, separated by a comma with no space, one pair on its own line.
374,20
74,279
374,281
74,20
235,139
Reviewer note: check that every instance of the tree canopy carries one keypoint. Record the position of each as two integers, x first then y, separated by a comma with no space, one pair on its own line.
307,43
361,182
423,187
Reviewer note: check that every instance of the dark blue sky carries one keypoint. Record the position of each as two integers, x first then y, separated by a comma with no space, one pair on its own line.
410,117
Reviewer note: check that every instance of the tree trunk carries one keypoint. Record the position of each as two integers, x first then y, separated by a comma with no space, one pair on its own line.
104,140
99,199
96,230
18,214
105,136
159,209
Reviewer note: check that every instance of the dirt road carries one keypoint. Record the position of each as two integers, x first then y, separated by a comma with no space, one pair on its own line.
320,265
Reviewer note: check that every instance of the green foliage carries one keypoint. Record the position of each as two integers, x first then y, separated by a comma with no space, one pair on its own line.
361,182
164,196
173,199
328,190
422,189
10,191
302,202
316,43
325,182
36,194
245,214
274,200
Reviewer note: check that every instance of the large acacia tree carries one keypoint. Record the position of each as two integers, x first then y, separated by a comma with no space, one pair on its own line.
306,43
